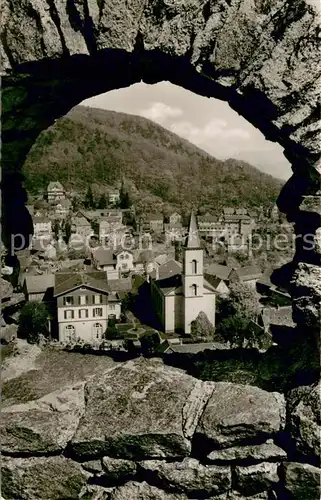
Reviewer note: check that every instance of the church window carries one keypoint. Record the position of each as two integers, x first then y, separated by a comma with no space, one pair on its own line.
194,289
194,266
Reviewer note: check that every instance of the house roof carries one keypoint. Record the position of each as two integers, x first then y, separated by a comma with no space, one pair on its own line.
120,285
236,217
193,240
65,282
195,348
228,210
41,220
6,289
161,259
39,284
242,211
213,280
248,273
155,217
207,218
218,270
80,221
64,203
54,185
168,269
281,316
104,257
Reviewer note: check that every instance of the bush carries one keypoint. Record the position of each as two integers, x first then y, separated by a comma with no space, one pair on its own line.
149,342
33,321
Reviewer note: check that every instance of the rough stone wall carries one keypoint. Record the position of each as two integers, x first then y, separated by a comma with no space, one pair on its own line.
145,431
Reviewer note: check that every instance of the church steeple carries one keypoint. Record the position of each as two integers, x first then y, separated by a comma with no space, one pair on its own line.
193,240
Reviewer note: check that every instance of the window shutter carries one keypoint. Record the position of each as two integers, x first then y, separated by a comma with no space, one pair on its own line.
72,314
65,314
86,313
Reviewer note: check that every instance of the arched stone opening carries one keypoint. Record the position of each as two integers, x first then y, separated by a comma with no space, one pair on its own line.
259,56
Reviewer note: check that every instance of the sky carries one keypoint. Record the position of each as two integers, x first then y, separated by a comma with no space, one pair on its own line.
208,123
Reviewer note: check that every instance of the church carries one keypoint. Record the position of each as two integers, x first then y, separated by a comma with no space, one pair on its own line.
179,293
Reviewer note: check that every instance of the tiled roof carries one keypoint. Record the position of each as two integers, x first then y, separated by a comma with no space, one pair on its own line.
39,284
80,221
195,348
120,285
41,220
207,218
104,257
228,210
161,259
65,282
281,316
213,280
54,185
236,217
169,269
218,270
248,273
155,217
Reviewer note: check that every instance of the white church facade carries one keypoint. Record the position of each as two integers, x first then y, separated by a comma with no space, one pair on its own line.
179,293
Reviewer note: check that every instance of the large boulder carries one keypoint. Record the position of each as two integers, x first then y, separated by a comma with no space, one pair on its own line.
240,414
6,289
8,333
42,426
118,470
32,478
304,406
302,481
143,491
257,478
139,410
254,453
189,477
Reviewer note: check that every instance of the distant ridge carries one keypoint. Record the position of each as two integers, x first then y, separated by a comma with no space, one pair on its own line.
96,146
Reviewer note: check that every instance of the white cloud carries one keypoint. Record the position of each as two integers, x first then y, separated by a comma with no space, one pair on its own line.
160,112
214,129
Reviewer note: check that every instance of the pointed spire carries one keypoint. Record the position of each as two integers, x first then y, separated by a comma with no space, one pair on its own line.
193,240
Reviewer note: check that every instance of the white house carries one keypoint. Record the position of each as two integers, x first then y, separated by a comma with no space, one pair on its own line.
55,191
62,208
180,293
114,263
84,304
42,227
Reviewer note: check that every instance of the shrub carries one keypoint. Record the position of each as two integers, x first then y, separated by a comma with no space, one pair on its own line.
33,321
149,342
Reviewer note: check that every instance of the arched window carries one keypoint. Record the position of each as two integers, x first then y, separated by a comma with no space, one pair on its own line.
97,331
194,289
70,333
194,266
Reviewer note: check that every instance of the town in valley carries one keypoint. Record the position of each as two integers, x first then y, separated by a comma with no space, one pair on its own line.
103,276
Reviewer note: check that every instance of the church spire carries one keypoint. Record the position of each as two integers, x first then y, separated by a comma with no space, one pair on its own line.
193,240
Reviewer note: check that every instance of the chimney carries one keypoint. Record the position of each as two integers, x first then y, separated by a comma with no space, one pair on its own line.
157,271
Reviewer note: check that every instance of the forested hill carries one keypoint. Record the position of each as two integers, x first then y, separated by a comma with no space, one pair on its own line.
101,147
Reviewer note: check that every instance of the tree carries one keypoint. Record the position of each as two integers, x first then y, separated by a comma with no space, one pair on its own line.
235,315
102,202
149,341
56,229
67,228
33,321
124,199
201,327
89,198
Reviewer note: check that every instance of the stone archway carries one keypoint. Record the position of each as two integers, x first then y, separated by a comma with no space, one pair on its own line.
261,56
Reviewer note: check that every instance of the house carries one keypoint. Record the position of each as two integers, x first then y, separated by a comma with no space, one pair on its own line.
219,270
277,322
175,219
192,348
220,285
174,232
274,212
113,196
228,211
249,275
179,293
42,227
209,226
156,223
84,304
38,288
55,191
114,263
81,226
236,243
241,211
62,208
